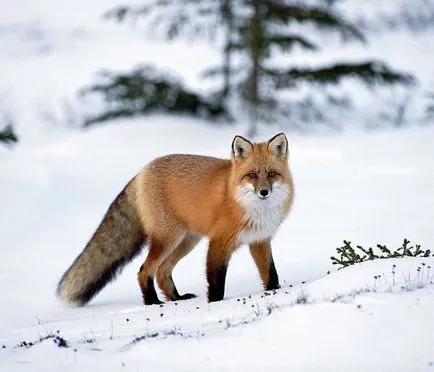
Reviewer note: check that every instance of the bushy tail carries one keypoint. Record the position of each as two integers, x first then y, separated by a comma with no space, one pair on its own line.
118,239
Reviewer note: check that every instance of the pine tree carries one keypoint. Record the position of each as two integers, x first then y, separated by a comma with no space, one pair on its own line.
253,30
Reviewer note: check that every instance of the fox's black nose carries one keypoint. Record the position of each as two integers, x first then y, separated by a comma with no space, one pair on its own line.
264,192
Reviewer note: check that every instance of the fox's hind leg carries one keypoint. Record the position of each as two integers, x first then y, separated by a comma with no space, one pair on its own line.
160,247
164,273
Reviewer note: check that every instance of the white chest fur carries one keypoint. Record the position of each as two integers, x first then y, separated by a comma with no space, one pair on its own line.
263,216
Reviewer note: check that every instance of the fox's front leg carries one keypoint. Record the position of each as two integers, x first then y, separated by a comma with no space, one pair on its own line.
219,253
261,253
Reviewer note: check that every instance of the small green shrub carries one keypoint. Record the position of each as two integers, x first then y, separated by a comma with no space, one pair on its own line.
348,255
8,135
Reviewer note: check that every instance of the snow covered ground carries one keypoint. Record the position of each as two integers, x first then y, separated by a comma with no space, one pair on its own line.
57,183
367,188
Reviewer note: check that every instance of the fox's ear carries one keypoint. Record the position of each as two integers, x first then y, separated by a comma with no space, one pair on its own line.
278,145
241,147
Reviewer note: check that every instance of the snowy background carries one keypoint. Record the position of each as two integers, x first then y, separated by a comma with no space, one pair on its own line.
368,187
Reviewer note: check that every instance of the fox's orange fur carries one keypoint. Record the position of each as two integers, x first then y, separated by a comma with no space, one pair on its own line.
177,199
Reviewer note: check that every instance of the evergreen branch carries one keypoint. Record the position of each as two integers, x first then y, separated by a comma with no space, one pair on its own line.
123,13
320,17
174,17
220,70
287,42
147,90
369,72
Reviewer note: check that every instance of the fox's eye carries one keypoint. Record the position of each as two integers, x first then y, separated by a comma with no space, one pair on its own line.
252,175
271,174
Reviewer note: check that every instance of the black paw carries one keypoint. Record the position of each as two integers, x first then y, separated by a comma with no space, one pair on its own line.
272,286
215,297
187,296
154,302
149,294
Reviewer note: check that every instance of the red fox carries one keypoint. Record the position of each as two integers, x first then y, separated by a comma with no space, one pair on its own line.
173,202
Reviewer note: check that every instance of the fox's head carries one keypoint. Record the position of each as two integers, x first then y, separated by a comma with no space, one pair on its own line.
260,170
